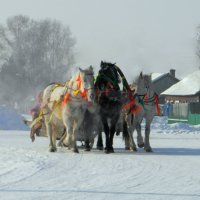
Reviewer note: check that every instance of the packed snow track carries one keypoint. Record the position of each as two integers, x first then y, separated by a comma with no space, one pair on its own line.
29,171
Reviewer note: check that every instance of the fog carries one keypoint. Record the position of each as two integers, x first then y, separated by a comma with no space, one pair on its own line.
152,36
139,35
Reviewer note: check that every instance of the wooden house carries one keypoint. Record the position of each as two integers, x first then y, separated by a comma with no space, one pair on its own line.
162,82
185,91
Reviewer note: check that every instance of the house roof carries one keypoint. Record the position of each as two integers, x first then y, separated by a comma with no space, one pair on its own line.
155,76
190,85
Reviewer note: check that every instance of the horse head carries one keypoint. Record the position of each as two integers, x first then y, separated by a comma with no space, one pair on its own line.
108,76
144,85
85,81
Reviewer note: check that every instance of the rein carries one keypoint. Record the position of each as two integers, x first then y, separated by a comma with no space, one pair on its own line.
146,100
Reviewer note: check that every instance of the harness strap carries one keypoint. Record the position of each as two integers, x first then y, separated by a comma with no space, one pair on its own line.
154,99
55,103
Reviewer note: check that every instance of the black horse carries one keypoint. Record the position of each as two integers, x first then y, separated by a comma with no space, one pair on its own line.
109,98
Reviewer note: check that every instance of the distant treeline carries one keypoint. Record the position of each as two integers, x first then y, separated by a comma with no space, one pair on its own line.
33,53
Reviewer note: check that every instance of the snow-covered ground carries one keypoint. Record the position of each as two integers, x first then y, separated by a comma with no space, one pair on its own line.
29,172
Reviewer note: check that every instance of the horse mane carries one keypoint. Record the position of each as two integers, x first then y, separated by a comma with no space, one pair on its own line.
108,63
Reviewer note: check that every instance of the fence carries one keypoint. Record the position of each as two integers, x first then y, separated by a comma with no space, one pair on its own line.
182,112
194,114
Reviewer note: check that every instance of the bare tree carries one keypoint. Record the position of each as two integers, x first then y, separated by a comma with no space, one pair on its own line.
34,53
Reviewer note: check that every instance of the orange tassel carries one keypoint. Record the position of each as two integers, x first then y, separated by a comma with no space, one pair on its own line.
66,99
79,81
130,103
136,110
83,94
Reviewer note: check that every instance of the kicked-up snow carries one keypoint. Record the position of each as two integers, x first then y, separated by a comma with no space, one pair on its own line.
29,172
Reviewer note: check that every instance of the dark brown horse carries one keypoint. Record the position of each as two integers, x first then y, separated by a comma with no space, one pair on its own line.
110,101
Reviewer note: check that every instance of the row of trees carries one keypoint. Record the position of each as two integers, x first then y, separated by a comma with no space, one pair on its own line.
33,53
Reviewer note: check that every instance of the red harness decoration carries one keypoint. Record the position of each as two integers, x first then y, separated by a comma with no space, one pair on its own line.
84,94
66,99
136,110
157,105
146,98
132,105
129,104
97,92
79,81
107,91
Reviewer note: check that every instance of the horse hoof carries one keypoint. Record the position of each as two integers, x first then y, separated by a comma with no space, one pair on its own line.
106,151
141,145
52,149
148,150
134,149
100,148
127,148
112,150
87,149
75,150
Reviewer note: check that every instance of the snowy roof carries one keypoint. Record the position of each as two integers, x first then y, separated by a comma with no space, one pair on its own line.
190,85
155,76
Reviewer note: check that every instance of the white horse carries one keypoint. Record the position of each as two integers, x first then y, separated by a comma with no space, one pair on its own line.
147,102
66,106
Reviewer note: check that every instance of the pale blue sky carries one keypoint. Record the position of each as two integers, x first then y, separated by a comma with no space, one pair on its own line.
148,35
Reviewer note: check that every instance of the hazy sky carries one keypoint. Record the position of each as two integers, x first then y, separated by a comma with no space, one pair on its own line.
148,35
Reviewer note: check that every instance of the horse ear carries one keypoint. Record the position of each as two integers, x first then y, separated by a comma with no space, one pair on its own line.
91,68
141,75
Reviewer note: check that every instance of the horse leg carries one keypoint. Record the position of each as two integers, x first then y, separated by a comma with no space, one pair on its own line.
87,141
62,142
87,132
149,118
72,131
126,135
100,139
130,130
112,131
54,134
52,147
140,141
76,128
74,146
107,133
147,146
67,137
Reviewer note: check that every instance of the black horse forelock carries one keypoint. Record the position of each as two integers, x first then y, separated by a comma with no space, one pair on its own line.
109,69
